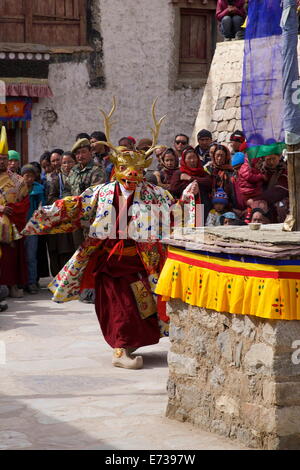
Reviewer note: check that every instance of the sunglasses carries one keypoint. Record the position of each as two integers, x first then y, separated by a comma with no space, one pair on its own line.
180,142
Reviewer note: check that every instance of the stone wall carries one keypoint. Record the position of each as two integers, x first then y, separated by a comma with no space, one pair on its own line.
220,106
234,375
140,56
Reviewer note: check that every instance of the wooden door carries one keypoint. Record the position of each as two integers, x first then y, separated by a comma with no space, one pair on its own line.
195,42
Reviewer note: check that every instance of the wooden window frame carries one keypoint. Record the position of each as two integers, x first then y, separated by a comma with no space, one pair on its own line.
29,19
186,77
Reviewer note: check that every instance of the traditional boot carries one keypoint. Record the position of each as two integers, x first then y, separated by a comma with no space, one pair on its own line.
122,358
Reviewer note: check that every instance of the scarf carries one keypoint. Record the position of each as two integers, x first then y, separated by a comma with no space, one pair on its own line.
199,171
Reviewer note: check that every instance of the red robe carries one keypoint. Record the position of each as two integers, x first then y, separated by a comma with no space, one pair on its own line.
116,308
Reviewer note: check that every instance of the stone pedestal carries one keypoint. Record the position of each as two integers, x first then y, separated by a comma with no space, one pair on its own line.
238,376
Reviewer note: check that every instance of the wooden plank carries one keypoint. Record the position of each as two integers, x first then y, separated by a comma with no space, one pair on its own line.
44,7
69,8
59,8
185,36
76,9
83,23
12,32
28,5
11,8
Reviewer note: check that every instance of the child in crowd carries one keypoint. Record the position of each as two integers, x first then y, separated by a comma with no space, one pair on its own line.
230,218
247,181
169,163
36,196
219,201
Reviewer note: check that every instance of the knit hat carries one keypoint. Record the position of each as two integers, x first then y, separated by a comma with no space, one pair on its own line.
237,136
237,159
220,197
204,133
27,169
14,155
228,215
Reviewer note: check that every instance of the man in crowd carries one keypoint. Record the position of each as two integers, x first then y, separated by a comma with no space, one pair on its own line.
55,160
82,176
181,141
14,161
236,140
14,206
204,138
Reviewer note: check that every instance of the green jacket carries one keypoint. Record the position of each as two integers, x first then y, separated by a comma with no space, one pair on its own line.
81,179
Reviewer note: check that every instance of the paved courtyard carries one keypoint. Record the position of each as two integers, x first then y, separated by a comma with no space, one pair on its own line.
59,391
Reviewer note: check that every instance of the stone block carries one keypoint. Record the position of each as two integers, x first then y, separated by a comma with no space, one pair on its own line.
214,126
238,354
238,324
218,115
238,126
230,127
206,318
222,126
222,137
259,358
220,104
258,417
217,377
228,90
171,388
227,405
182,365
238,113
269,332
229,114
249,327
238,102
176,333
269,392
230,103
224,343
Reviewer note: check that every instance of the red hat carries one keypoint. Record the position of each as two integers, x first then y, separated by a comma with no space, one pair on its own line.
132,139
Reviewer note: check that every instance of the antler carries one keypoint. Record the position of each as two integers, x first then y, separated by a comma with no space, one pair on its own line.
156,130
108,124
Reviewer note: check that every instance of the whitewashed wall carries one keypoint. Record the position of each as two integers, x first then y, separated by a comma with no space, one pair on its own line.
139,63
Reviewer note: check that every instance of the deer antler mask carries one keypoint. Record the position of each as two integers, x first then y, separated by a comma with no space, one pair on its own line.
129,165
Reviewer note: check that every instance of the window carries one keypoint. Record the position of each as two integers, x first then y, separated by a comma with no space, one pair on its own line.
197,42
49,22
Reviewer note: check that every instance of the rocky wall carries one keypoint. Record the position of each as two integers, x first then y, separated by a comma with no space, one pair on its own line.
235,375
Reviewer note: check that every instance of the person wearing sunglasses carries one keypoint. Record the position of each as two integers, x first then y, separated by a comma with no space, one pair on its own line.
180,142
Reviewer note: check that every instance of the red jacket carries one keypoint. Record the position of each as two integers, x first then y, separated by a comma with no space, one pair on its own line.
247,183
222,9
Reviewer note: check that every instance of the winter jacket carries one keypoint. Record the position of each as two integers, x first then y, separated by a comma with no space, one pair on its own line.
247,184
222,9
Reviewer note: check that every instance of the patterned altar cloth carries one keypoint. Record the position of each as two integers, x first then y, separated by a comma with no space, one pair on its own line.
245,285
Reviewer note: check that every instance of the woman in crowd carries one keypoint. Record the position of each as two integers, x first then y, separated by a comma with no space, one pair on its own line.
169,163
260,217
60,246
191,170
36,197
220,168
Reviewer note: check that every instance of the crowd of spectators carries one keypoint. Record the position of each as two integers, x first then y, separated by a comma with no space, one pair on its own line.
231,189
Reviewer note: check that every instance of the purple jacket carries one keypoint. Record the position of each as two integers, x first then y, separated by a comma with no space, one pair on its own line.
222,9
